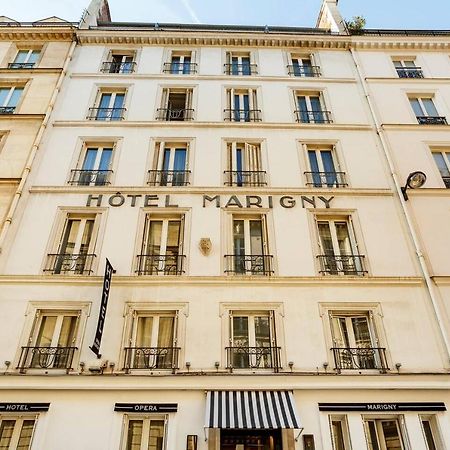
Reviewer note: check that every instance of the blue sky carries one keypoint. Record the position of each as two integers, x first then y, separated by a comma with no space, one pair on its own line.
431,14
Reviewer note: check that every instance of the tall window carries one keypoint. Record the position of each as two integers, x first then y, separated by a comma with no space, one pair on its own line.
153,341
9,99
252,341
119,62
75,252
310,108
25,59
244,165
162,246
94,167
16,433
181,63
145,433
242,105
442,160
176,105
324,168
110,106
425,111
339,433
384,434
240,63
302,66
431,432
170,165
338,247
406,68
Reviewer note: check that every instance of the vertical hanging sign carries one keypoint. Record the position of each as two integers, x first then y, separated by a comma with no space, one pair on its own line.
95,347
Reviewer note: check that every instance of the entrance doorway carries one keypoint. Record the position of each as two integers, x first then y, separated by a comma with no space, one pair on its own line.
250,439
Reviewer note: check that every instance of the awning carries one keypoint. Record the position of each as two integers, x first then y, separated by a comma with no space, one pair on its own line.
251,409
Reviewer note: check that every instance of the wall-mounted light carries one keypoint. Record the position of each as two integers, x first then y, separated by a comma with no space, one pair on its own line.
415,180
188,365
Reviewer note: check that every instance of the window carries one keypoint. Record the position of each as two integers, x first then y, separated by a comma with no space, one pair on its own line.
310,109
94,166
302,66
324,168
110,106
16,433
244,165
431,432
144,433
170,165
181,63
75,251
252,340
339,254
119,62
153,341
242,106
339,433
162,246
384,434
250,246
425,111
240,63
25,59
176,105
9,99
406,68
52,342
442,160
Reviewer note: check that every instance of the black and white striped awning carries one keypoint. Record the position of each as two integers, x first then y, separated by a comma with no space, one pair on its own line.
251,409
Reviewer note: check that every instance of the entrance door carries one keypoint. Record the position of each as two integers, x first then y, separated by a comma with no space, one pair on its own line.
250,439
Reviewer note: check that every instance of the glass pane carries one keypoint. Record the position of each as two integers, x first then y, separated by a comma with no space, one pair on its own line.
361,332
187,64
6,431
442,166
372,436
4,92
46,330
303,108
105,159
340,332
316,107
314,166
307,68
246,66
144,332
118,101
429,107
246,113
338,435
14,99
105,101
156,435
238,237
235,66
416,107
410,64
398,64
175,66
25,435
173,237
89,159
134,435
67,334
325,238
343,238
240,332
166,331
256,238
428,434
327,161
392,438
154,237
87,236
21,56
180,159
34,56
262,331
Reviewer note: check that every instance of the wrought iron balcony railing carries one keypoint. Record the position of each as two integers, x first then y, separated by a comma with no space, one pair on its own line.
240,69
306,116
168,177
90,177
160,264
118,67
46,358
7,109
242,115
325,179
106,113
245,178
174,114
303,71
151,358
446,181
68,263
360,358
180,68
342,264
410,72
15,65
431,120
249,264
253,358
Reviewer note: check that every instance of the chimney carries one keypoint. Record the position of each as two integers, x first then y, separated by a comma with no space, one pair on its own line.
97,11
330,18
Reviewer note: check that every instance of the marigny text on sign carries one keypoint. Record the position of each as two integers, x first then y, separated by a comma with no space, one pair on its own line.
232,201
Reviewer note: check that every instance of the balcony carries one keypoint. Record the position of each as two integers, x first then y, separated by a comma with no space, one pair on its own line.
431,120
118,67
242,115
180,68
174,114
245,178
306,116
151,358
160,264
303,71
106,113
342,264
7,109
240,69
46,358
253,358
410,72
168,177
361,358
90,177
325,179
21,65
249,264
69,263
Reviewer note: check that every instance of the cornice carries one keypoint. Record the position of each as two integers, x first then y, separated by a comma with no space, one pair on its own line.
19,116
417,81
47,33
37,70
406,43
415,127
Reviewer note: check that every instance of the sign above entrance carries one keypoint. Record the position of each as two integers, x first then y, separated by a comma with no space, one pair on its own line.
378,407
24,407
146,407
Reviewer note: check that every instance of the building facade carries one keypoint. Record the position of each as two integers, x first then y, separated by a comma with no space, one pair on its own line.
274,288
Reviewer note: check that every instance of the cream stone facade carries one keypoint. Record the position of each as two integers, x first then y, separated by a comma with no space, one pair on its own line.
273,288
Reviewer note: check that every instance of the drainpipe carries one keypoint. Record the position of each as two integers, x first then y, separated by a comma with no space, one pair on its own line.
423,265
37,141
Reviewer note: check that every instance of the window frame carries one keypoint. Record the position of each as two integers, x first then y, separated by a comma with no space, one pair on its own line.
162,102
328,117
346,437
99,91
181,52
443,151
252,54
19,419
254,103
313,58
146,418
380,418
12,88
435,430
419,96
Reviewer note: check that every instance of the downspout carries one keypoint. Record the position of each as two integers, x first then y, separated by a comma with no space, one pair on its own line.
37,141
422,262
